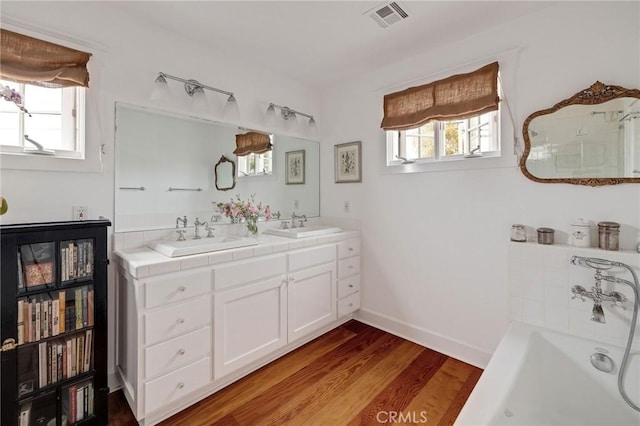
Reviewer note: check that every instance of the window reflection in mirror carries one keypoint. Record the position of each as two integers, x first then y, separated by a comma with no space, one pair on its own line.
157,150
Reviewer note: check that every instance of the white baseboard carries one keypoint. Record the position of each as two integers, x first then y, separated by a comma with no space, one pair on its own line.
113,382
450,347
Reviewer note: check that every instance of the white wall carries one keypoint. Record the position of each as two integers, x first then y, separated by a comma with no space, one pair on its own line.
434,251
125,62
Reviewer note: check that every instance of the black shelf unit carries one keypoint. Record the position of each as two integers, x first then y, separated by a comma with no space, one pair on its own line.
59,271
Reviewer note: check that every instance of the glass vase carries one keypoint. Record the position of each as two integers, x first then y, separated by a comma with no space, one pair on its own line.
252,228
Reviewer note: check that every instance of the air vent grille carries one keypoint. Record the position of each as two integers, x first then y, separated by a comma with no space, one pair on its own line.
387,14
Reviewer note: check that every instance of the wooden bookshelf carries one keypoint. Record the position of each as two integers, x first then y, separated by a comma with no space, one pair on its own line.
53,309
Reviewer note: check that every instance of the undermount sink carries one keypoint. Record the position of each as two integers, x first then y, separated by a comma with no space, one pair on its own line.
306,231
184,248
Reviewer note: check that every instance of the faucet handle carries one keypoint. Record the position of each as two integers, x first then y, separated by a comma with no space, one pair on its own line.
578,291
618,300
210,230
181,233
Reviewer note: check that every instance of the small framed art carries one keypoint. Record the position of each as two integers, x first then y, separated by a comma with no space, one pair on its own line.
295,167
348,159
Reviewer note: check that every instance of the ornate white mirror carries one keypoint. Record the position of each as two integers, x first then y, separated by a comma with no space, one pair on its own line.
592,138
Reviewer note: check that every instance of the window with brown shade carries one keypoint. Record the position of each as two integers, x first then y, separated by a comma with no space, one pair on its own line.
452,118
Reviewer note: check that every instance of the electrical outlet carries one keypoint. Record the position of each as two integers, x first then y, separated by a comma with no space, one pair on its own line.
347,206
80,212
296,204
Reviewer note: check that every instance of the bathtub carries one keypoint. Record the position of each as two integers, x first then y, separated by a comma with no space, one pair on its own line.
540,377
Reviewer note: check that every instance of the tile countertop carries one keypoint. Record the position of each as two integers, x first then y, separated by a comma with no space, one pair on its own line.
143,262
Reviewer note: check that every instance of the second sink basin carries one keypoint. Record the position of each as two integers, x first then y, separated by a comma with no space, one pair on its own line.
184,248
306,231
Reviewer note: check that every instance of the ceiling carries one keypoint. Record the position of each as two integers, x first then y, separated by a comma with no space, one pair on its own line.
315,42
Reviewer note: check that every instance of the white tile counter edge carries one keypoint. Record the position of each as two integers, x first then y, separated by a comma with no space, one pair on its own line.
143,262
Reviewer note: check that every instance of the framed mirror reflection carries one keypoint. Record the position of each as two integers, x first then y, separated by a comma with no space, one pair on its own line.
591,138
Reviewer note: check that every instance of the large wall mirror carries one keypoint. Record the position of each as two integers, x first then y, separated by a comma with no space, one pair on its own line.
592,138
165,168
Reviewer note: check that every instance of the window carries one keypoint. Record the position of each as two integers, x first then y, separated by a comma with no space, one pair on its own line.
56,121
445,140
256,164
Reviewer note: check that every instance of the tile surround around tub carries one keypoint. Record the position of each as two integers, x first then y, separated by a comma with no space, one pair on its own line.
540,281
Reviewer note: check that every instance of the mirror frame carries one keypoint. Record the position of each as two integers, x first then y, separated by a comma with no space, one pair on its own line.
223,160
596,94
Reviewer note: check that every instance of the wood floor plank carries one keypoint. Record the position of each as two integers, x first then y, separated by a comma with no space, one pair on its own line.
220,404
463,394
352,399
434,399
343,357
399,393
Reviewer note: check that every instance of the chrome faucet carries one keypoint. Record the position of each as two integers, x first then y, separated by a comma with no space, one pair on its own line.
598,296
183,220
301,219
209,229
197,224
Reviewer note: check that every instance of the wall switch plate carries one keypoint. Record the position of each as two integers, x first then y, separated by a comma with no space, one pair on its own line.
347,206
80,212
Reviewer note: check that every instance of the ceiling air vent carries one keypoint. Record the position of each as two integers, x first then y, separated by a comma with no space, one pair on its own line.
387,14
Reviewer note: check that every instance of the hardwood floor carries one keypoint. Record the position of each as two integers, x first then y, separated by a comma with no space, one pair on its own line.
353,375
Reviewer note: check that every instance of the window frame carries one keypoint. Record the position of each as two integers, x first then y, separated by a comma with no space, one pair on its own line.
399,137
73,115
241,171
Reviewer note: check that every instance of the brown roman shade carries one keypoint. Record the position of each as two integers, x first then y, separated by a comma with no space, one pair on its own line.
458,96
29,60
252,142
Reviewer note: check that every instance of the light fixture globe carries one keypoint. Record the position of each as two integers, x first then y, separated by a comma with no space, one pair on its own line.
231,110
160,90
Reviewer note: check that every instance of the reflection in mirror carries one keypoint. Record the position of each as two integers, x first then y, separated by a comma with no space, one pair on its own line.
225,172
592,138
158,150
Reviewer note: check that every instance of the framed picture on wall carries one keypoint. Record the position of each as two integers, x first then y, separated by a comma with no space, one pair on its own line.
348,159
295,167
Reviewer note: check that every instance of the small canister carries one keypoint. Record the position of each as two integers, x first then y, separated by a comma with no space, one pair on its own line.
581,233
545,236
609,235
518,233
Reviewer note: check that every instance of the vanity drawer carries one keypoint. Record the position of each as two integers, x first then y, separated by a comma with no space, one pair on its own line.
348,304
348,285
307,258
175,287
349,248
248,271
167,356
349,267
173,386
177,319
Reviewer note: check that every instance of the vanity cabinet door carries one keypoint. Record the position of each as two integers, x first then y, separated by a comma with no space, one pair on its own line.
311,300
249,322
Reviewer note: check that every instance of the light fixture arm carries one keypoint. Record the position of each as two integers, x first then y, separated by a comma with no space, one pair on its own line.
287,112
191,85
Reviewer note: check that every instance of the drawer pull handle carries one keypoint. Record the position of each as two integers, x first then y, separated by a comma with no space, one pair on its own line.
182,288
181,352
180,321
180,385
350,248
350,285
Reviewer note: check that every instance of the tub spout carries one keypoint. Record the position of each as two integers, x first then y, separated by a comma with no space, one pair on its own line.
597,314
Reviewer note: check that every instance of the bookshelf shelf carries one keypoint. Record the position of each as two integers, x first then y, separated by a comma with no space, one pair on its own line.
53,310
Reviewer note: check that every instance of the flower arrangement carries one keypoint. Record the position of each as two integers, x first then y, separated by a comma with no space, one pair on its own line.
248,211
12,95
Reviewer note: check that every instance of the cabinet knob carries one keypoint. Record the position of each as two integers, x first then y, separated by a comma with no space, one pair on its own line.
182,288
351,305
350,248
180,321
181,351
350,285
350,266
180,385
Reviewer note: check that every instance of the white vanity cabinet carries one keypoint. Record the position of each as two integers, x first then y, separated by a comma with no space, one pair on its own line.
311,290
348,276
213,319
249,311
